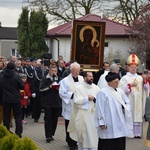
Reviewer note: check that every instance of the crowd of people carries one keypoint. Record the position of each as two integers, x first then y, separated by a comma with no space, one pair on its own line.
100,108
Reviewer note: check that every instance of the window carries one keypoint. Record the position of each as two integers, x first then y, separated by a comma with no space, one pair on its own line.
15,52
106,44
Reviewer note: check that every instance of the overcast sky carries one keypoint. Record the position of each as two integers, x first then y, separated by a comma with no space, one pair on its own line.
10,11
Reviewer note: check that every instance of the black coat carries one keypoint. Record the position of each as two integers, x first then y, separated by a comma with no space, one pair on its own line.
1,92
37,76
11,84
60,73
66,73
19,69
122,72
97,75
29,71
49,97
147,116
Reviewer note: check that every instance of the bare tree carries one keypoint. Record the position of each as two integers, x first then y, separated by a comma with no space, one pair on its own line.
65,10
125,11
140,31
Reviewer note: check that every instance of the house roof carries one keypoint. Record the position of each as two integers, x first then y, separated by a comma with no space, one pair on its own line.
8,33
113,28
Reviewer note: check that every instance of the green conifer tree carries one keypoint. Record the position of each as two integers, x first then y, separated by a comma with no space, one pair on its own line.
31,36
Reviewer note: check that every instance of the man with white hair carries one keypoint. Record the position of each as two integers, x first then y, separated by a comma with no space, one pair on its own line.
66,92
122,71
102,82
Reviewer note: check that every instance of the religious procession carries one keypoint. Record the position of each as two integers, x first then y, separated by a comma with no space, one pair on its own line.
100,110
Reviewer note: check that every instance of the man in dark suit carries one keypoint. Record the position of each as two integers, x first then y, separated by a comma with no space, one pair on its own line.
19,67
97,74
29,71
122,71
36,112
50,101
61,68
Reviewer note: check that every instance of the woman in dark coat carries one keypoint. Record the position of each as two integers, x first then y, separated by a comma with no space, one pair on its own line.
11,84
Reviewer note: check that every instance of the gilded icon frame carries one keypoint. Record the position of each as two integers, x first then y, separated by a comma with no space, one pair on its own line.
87,43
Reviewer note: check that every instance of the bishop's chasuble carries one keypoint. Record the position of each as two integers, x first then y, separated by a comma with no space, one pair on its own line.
135,95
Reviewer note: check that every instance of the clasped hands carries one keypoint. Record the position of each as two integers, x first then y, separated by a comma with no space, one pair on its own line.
134,84
90,97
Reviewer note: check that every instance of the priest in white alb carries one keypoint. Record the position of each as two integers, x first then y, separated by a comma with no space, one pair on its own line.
113,116
66,92
81,126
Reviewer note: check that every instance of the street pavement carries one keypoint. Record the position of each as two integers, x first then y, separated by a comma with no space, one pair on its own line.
35,131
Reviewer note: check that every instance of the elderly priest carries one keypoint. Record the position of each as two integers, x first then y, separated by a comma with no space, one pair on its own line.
113,116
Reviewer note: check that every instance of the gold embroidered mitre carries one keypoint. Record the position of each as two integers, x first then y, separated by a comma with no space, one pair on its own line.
133,60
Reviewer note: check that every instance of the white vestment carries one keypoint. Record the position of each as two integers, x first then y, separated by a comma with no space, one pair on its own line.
81,126
66,89
102,81
109,113
135,95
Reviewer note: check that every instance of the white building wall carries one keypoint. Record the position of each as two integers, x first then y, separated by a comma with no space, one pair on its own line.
114,44
63,49
54,49
118,44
